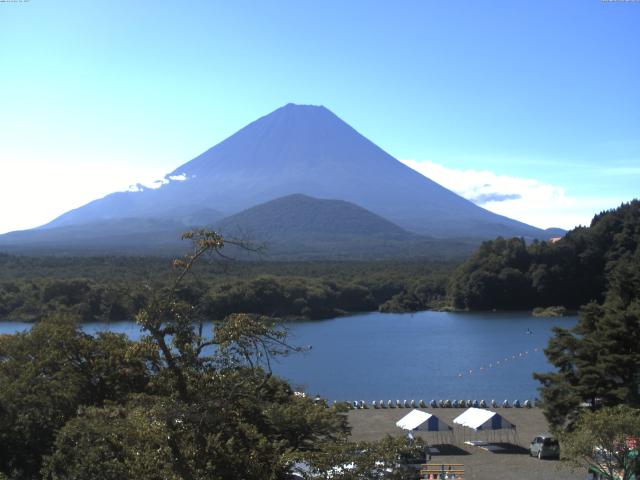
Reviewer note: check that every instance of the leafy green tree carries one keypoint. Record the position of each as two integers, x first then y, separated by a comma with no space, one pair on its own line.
607,440
508,274
46,374
365,460
111,443
213,409
598,360
193,399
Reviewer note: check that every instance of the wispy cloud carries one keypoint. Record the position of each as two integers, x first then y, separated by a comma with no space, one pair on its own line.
42,190
177,178
155,184
483,198
526,199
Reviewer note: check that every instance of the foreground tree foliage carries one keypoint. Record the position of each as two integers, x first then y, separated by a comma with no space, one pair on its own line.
364,460
191,400
607,441
46,374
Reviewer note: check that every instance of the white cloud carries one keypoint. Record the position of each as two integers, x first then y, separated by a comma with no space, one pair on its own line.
138,187
34,192
177,178
528,200
155,184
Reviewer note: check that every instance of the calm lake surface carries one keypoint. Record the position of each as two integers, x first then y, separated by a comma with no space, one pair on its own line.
424,355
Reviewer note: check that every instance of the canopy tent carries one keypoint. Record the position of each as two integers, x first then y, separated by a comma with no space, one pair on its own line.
418,420
481,420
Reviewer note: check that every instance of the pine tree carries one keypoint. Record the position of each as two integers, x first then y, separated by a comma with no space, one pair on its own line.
598,361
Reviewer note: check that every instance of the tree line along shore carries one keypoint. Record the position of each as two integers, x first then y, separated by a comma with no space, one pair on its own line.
503,274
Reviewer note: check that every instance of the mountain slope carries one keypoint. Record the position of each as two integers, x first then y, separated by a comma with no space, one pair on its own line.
299,215
299,226
293,227
122,235
305,149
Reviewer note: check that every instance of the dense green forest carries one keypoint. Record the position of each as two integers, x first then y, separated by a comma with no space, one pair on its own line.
509,274
180,403
502,274
115,288
597,360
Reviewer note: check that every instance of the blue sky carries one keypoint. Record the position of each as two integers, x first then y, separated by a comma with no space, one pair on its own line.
534,102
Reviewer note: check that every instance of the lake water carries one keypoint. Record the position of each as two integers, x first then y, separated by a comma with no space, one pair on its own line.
424,355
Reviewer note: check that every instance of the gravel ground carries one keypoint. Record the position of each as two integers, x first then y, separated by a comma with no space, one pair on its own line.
513,462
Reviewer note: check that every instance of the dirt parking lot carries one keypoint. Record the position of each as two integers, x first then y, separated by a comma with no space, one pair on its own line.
512,462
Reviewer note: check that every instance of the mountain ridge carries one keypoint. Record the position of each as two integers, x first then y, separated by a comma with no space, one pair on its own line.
307,215
294,227
308,150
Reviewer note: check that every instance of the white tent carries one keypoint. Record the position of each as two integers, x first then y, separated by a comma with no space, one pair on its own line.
423,422
417,420
481,419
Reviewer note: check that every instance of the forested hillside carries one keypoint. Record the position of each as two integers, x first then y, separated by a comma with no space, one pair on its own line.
116,288
509,274
597,360
501,274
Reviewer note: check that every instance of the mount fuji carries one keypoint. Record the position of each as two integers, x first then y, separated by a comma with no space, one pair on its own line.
297,149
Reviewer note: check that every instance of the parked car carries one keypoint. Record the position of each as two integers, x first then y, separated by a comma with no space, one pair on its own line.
544,446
